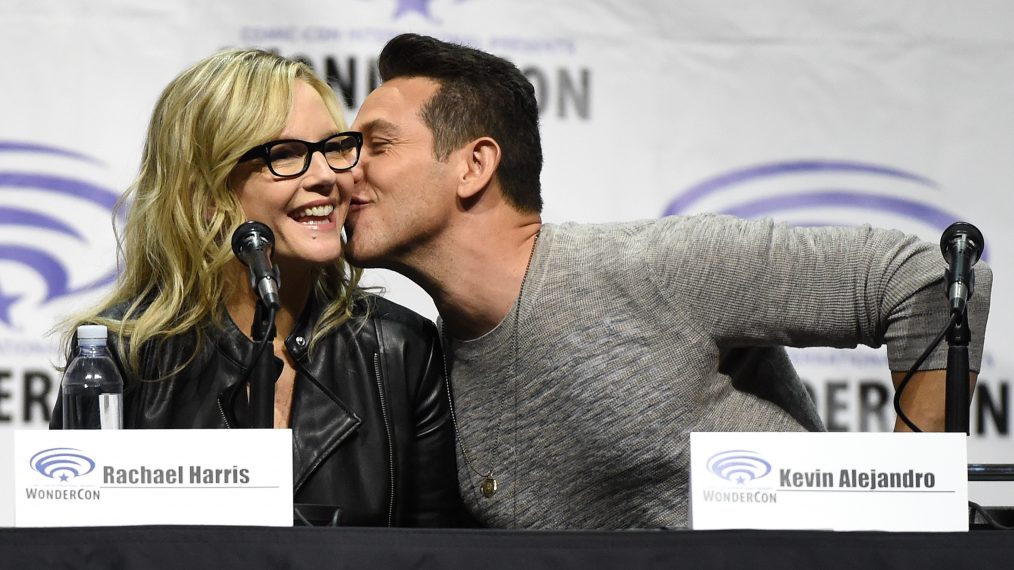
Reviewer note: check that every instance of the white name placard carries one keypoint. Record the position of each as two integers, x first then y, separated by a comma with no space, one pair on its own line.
6,478
829,481
139,477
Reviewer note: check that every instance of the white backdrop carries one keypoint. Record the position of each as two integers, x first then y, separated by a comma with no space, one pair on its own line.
893,112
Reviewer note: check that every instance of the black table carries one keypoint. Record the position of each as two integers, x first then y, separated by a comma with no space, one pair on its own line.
250,548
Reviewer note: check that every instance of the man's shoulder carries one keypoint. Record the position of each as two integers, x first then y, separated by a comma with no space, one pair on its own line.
580,229
640,226
628,234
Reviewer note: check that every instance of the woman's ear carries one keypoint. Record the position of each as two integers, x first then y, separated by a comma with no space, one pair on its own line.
482,158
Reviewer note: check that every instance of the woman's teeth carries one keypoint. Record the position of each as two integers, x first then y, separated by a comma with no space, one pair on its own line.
314,212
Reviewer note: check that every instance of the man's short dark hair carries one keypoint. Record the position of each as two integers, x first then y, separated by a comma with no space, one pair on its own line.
480,95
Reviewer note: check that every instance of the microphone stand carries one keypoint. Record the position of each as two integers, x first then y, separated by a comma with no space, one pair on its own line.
957,398
956,405
263,373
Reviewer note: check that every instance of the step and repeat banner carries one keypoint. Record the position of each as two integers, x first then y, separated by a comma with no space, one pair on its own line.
898,113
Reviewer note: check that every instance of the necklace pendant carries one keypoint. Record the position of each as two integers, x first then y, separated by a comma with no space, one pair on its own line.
488,486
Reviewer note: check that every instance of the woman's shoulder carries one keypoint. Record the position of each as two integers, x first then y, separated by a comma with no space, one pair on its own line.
115,312
124,310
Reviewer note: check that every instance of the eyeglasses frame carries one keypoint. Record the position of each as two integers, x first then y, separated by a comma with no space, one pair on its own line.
263,152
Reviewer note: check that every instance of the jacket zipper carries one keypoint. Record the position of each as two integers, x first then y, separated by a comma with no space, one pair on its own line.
390,441
221,412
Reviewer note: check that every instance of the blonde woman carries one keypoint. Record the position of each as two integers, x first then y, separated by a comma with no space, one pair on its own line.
248,135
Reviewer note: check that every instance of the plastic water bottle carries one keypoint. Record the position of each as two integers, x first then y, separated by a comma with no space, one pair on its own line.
92,385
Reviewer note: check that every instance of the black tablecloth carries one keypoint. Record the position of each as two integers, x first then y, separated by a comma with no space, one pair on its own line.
250,548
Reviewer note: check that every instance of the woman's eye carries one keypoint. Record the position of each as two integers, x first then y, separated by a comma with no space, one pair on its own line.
288,151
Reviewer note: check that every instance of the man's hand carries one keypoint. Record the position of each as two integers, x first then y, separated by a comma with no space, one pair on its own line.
923,399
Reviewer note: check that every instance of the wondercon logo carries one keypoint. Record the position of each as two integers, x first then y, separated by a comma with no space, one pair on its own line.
62,463
421,7
53,219
822,193
738,466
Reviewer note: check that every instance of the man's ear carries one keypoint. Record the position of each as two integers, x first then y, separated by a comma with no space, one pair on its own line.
481,159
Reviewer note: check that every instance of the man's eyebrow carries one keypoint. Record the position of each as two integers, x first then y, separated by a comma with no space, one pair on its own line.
379,125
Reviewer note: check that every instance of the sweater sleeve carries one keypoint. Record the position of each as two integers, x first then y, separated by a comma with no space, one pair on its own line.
757,282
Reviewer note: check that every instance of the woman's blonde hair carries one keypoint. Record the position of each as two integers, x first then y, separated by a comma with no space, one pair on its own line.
175,245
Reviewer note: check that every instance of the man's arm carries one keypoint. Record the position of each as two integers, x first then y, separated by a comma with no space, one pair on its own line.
924,397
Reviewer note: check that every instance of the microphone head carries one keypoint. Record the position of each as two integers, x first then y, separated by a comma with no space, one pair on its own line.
957,230
251,233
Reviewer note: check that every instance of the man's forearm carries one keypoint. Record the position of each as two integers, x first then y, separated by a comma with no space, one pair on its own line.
924,398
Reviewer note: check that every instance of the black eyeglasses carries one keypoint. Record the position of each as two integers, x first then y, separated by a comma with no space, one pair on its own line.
291,157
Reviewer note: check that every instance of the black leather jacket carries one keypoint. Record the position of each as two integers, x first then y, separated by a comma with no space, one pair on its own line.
370,425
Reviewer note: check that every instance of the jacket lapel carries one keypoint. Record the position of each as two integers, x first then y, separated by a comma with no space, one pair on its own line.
320,422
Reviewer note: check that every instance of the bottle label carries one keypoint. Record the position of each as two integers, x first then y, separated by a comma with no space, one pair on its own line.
110,416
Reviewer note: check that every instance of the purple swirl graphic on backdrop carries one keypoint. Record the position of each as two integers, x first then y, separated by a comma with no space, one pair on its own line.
842,197
27,218
719,183
42,258
7,146
832,196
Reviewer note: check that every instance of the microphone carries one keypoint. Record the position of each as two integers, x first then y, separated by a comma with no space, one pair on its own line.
961,245
253,242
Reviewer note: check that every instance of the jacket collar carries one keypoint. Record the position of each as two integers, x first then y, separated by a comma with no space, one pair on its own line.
234,344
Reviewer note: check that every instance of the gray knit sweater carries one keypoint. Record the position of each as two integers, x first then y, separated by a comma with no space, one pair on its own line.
633,335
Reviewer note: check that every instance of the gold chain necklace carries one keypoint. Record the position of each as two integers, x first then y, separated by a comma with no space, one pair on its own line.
488,484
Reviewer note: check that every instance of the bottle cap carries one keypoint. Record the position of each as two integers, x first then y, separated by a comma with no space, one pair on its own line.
91,334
